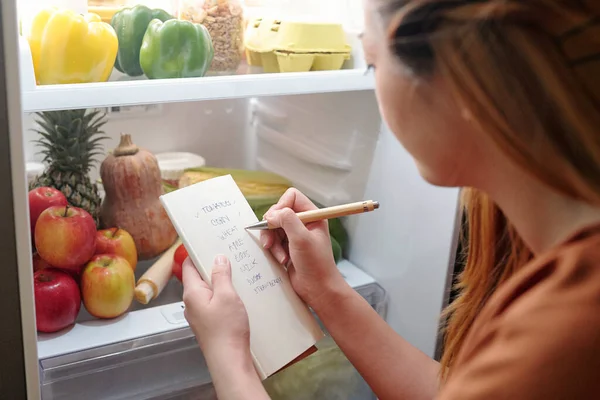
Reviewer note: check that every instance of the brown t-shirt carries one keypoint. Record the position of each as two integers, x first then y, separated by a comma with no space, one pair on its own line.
539,335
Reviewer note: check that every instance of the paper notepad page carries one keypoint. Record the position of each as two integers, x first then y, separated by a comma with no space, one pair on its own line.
210,218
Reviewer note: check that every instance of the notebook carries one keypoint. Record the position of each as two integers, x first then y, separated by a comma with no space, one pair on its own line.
210,218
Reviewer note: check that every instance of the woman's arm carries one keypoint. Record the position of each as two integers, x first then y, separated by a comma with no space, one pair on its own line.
392,367
219,320
234,376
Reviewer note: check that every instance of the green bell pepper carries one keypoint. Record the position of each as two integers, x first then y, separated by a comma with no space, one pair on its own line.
176,49
130,25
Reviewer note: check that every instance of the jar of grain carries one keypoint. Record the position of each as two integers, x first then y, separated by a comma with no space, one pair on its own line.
224,21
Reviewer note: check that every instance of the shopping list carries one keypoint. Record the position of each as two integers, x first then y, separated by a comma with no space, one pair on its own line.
210,218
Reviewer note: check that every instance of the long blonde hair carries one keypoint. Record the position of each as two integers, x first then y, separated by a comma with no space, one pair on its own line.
528,71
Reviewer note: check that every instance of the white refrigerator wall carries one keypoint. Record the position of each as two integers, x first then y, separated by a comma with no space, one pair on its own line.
216,130
409,244
332,147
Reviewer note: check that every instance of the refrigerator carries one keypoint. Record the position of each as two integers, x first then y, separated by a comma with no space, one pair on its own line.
322,130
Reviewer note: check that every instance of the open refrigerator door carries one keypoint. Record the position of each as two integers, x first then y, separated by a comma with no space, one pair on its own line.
309,122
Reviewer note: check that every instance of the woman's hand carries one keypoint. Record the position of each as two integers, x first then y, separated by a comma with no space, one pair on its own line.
219,320
306,250
217,317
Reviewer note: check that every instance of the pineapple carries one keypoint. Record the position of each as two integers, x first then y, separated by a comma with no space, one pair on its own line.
70,140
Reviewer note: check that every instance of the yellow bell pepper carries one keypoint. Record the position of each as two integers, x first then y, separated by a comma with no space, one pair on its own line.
71,48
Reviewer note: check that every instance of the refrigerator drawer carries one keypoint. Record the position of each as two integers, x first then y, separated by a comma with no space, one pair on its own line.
142,368
170,365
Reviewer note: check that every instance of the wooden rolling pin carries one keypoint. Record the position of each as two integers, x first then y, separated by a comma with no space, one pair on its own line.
154,280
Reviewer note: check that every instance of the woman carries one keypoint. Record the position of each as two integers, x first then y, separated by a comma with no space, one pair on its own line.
502,97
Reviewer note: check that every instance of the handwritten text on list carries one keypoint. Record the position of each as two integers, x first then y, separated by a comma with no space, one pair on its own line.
236,242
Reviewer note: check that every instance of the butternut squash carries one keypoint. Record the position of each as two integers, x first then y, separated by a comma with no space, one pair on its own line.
133,185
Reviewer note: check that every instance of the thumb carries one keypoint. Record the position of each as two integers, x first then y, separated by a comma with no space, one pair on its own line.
221,275
287,219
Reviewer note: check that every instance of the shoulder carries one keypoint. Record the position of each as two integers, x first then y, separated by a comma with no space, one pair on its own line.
539,336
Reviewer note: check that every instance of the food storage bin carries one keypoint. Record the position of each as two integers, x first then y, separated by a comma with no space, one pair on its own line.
173,165
224,20
296,45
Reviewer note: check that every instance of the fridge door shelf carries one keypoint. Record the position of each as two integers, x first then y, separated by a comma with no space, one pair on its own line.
321,157
313,141
121,362
124,91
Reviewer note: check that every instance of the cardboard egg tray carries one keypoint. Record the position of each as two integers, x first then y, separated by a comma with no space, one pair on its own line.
295,46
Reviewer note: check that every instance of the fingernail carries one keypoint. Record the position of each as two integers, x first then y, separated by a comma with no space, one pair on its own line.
264,240
221,260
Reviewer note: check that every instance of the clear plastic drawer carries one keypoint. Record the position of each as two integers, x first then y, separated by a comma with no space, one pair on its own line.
170,365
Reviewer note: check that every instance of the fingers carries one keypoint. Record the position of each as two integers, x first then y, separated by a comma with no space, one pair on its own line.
194,288
295,230
221,276
279,250
267,239
272,240
295,200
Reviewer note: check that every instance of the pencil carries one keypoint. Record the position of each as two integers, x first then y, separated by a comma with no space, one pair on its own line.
325,213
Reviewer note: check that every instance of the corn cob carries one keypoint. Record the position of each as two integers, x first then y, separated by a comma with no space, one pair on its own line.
253,184
167,187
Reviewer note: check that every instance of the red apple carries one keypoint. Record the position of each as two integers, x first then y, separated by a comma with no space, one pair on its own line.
180,255
39,263
117,241
42,198
107,286
65,237
57,300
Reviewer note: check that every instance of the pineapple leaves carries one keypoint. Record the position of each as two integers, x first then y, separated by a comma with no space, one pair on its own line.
45,126
70,139
98,122
95,143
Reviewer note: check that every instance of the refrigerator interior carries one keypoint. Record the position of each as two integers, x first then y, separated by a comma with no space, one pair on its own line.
332,147
309,139
327,137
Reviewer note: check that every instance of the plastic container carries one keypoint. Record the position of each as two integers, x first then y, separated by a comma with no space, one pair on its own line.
224,20
295,45
173,165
